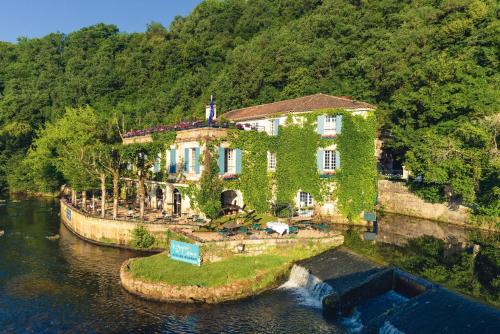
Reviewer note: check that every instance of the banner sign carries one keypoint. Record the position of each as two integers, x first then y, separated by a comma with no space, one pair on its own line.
68,214
182,251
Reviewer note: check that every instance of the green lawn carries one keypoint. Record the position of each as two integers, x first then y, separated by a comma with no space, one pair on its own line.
160,268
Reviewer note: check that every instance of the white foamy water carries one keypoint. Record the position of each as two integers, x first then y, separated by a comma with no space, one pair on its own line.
309,289
353,324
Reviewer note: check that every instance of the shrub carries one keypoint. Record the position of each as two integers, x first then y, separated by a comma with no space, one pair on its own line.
142,238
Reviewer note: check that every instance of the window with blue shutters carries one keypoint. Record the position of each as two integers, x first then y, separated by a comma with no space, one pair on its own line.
221,160
320,126
319,160
197,160
173,161
329,160
338,124
186,160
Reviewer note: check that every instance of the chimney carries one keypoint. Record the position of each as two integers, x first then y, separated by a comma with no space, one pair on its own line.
207,111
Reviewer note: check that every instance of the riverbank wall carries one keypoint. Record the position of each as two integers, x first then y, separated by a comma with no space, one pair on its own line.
104,231
395,197
162,292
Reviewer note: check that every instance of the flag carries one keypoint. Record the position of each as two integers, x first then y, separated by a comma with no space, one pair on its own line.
210,118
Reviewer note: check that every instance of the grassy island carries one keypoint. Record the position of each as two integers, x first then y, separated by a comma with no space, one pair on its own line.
161,278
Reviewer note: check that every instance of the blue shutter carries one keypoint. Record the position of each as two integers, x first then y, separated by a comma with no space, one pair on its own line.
338,124
197,160
172,161
238,160
337,159
221,160
186,159
320,159
321,124
157,164
276,126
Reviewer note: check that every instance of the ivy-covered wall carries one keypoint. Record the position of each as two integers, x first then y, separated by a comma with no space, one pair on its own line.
296,147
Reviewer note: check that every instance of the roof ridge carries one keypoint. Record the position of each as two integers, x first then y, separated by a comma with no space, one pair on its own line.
265,104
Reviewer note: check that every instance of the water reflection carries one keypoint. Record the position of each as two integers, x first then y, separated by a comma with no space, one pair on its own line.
68,285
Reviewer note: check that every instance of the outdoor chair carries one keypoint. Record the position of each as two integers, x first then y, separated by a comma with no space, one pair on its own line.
269,230
255,226
243,230
293,230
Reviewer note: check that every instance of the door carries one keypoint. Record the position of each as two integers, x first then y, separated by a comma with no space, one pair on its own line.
177,202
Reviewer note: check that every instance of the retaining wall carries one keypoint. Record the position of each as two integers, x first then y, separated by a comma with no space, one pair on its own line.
396,198
107,231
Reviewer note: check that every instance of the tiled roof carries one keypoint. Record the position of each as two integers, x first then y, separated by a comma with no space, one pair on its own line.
300,104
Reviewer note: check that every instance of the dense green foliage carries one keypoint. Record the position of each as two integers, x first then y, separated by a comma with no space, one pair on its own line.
432,258
296,167
208,193
254,182
357,180
431,66
141,238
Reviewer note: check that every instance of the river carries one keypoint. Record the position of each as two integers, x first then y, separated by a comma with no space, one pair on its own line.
70,286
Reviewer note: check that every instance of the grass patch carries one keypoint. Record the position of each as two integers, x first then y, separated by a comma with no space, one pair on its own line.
269,266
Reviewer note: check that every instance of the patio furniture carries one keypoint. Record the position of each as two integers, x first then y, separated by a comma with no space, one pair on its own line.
281,228
255,226
293,230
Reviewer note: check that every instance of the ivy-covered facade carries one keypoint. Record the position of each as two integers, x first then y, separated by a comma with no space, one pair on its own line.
312,156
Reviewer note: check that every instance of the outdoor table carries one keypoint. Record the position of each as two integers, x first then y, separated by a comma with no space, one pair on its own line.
281,228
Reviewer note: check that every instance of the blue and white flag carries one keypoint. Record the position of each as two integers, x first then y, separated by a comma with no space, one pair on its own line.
210,118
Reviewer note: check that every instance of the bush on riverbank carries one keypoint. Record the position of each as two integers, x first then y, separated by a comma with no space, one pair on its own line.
435,260
267,267
142,238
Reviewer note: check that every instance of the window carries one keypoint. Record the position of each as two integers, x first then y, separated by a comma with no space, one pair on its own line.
271,160
329,162
305,199
330,125
229,161
192,160
271,128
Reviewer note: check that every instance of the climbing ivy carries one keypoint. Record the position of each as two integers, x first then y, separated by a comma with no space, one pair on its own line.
296,147
296,167
357,179
208,194
254,181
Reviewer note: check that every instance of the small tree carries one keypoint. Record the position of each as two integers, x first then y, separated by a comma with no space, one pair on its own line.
211,186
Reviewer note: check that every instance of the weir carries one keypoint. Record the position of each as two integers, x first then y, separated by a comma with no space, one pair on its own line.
367,298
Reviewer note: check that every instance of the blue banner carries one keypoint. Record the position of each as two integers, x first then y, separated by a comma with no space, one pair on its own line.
182,251
68,213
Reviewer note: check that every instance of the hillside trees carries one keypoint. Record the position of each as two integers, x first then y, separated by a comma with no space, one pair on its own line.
431,67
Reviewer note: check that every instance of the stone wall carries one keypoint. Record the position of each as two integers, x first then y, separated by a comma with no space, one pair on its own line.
107,231
396,198
217,250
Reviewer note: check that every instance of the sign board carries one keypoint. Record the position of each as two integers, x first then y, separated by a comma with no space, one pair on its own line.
68,214
182,251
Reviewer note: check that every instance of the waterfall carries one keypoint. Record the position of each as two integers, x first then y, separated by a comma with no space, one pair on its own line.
309,289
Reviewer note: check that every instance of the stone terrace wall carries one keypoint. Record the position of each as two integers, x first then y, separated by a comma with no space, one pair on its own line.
396,198
106,231
217,250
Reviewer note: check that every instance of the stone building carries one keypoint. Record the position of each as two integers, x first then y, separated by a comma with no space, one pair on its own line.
182,159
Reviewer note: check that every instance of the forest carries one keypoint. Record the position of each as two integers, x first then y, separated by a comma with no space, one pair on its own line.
431,67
